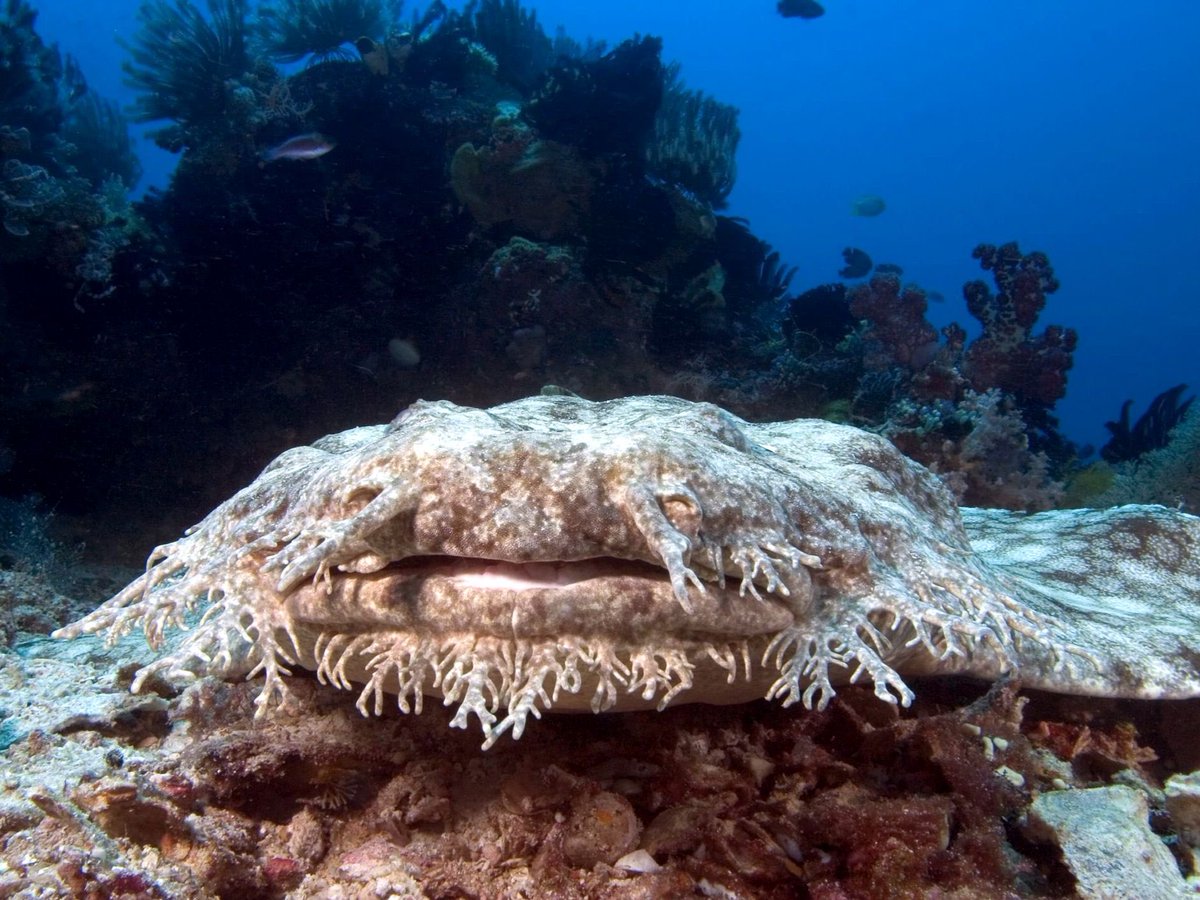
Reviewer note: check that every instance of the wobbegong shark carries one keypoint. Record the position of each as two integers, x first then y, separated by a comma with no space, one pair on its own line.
555,553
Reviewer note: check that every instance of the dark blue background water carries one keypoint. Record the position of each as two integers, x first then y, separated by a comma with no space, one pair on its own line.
1068,125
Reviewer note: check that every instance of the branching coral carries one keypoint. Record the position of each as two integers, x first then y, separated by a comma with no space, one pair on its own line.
980,448
898,334
1030,369
1033,369
182,62
922,386
291,30
695,141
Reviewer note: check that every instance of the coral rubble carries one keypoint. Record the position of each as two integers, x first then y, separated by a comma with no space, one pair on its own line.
178,795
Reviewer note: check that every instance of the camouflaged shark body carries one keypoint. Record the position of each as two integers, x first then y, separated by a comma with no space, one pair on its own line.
555,553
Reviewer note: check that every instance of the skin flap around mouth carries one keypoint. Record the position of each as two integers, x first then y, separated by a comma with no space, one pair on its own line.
620,600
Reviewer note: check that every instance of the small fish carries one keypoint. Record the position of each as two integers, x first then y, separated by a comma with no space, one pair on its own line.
800,9
374,55
302,146
868,205
936,296
858,263
404,353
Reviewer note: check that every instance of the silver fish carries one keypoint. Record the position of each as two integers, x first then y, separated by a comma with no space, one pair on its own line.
303,146
868,205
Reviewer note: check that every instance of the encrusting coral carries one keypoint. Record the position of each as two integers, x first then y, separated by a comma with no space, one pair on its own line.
558,553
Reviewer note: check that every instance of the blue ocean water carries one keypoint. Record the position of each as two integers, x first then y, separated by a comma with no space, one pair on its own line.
1066,126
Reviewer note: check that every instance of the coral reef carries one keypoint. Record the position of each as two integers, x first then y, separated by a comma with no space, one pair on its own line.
103,148
292,30
821,312
50,121
899,333
513,36
184,64
774,276
899,342
220,270
500,210
962,409
66,164
720,314
1169,475
296,276
756,281
695,142
29,80
1152,429
1031,370
980,448
605,107
513,215
540,188
537,307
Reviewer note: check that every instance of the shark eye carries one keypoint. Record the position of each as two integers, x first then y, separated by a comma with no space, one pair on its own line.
684,512
359,498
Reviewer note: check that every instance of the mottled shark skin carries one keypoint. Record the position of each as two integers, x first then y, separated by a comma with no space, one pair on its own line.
556,553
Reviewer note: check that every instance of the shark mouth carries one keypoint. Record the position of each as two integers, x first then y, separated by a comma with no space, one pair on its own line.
612,599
